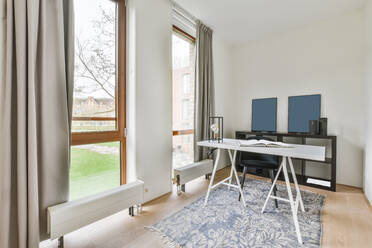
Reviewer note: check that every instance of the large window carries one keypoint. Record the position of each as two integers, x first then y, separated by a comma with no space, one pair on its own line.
183,50
98,122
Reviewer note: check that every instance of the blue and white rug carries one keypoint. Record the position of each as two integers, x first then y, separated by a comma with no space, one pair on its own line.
224,222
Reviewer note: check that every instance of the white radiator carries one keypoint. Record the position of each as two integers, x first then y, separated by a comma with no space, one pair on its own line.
192,171
70,216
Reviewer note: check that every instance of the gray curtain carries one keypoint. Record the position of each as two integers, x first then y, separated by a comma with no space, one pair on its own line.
204,81
35,110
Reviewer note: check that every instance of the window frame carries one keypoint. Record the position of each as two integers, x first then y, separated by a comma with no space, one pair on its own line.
118,135
187,35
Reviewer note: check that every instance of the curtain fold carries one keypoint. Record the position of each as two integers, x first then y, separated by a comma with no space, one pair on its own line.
204,87
35,110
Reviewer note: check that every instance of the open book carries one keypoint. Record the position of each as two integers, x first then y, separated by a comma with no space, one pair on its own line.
263,143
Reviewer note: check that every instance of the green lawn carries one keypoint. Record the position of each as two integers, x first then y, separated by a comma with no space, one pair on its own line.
92,172
88,128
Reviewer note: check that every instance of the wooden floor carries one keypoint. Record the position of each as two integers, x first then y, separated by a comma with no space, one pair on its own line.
347,220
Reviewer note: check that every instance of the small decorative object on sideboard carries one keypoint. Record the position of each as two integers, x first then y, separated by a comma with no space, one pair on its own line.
313,127
323,126
215,129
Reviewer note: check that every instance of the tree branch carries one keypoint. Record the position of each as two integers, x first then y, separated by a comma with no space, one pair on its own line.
80,56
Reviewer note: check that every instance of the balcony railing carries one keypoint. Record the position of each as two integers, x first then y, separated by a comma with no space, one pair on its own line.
94,118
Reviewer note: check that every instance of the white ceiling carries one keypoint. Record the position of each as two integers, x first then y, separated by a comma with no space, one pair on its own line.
238,21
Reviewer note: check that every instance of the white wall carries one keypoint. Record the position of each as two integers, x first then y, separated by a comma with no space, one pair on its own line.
149,118
368,104
149,93
325,58
222,59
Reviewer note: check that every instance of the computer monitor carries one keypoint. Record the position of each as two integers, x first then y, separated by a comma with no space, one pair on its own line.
302,109
264,115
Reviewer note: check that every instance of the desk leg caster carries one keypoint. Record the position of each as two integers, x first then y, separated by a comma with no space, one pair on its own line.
60,242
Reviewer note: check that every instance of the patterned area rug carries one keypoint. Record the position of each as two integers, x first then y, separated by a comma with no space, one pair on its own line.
226,223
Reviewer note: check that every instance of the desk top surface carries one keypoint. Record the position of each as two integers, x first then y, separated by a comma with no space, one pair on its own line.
295,151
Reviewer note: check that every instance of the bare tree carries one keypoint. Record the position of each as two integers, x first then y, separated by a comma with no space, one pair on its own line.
96,56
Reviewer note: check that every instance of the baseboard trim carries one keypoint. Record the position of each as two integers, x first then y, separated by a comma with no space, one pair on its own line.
350,186
368,202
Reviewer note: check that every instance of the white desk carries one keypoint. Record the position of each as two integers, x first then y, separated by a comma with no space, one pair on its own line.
297,151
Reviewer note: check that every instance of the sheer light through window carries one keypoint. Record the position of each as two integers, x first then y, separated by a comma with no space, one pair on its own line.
183,50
